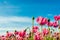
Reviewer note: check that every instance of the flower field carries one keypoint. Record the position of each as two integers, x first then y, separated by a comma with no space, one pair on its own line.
34,32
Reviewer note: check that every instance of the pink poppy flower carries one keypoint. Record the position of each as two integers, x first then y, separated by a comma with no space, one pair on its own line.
50,24
41,20
38,37
57,17
22,33
3,37
35,29
38,33
55,24
45,31
8,34
16,32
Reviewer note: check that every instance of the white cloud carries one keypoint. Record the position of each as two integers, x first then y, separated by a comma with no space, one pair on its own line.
11,29
15,19
6,23
21,19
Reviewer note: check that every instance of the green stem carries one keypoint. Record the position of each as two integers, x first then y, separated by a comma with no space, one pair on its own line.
33,21
59,25
48,28
41,28
59,30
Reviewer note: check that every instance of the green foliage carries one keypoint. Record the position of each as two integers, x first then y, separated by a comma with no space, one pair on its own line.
31,38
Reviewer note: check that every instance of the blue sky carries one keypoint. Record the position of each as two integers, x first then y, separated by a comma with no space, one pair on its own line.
17,14
29,7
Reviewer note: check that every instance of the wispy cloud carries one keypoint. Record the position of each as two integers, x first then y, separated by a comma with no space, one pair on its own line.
9,23
15,19
12,23
11,29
